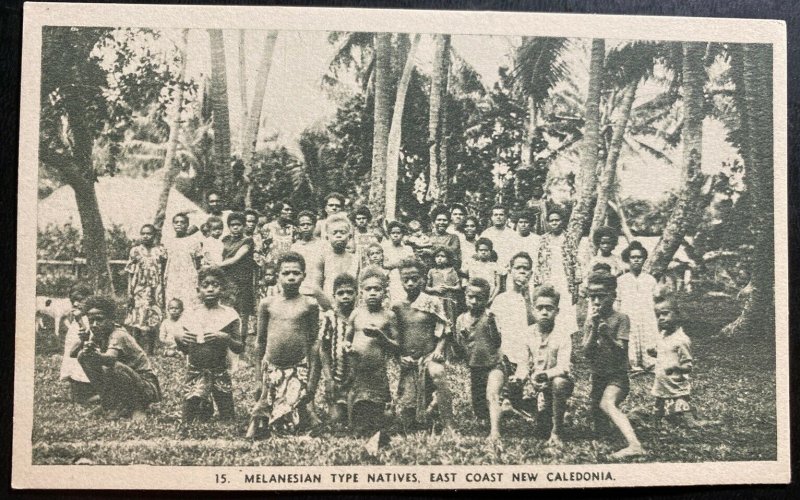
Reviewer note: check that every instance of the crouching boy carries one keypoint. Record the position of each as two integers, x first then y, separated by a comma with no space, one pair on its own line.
117,368
550,354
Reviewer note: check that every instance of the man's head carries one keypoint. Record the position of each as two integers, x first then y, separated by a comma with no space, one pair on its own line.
667,312
545,302
635,255
334,203
555,222
77,297
499,216
215,227
605,240
412,276
521,268
285,212
236,222
306,221
339,231
214,203
441,219
210,283
601,290
250,221
457,215
344,291
180,223
362,217
100,312
291,272
373,287
477,295
470,226
525,222
147,235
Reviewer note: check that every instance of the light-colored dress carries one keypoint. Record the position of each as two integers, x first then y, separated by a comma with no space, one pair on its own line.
180,278
145,270
674,355
511,314
635,298
487,270
392,256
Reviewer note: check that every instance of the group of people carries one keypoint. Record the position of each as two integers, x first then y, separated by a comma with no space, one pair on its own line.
334,300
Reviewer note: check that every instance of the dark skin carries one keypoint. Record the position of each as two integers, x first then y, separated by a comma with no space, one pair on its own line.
209,290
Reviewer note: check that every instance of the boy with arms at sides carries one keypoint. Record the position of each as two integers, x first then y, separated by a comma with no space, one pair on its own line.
363,237
478,337
209,330
311,248
117,368
549,351
374,338
336,259
335,335
424,332
512,309
605,344
287,328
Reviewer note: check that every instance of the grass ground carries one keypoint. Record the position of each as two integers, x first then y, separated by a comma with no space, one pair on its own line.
734,385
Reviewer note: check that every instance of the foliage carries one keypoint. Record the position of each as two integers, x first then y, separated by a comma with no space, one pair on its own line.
647,218
731,386
272,180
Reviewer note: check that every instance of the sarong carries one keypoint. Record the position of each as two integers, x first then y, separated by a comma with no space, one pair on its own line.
284,392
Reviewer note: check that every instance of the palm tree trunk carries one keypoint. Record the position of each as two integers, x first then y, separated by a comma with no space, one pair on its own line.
526,152
605,191
380,131
396,131
589,147
684,217
254,117
757,151
242,94
171,167
438,91
219,107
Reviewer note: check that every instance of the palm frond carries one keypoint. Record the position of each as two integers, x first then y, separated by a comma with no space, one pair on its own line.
539,67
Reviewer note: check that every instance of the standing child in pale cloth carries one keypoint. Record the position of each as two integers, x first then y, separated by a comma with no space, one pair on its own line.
635,290
287,329
374,331
483,264
335,335
605,345
394,251
145,269
212,244
80,389
171,326
478,337
424,332
672,386
209,330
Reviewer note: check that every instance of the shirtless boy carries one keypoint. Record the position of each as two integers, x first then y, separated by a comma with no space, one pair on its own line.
337,260
424,332
374,338
287,327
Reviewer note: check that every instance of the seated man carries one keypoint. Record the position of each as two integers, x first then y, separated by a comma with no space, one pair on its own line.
117,368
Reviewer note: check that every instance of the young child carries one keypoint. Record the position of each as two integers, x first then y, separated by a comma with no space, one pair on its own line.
335,335
394,252
513,312
635,290
268,283
483,264
374,254
363,237
287,329
479,338
443,280
79,387
209,330
374,331
605,345
550,359
337,260
425,330
605,239
672,386
212,244
171,326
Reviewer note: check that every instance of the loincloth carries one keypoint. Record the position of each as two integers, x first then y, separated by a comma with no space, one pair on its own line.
205,382
284,392
415,388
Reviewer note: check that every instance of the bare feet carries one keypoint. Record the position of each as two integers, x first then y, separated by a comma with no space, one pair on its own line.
630,451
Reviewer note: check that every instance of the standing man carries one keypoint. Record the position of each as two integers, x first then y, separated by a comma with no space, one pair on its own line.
282,231
501,235
334,203
215,206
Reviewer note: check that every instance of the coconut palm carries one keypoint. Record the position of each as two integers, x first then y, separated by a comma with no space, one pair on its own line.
219,105
382,113
437,176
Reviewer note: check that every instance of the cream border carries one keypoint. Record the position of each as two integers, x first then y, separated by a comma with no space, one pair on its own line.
25,475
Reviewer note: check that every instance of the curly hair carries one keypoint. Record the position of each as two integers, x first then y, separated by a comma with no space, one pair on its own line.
605,232
634,245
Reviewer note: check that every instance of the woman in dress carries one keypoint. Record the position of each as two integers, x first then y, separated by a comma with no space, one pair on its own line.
184,252
238,264
553,265
145,268
635,291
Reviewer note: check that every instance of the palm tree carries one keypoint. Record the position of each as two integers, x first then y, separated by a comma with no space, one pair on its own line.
437,183
380,133
242,93
219,106
588,149
396,130
684,217
753,95
172,167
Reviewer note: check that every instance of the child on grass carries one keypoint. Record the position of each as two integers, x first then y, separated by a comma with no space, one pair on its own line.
483,264
635,290
374,338
287,329
209,330
394,251
550,359
478,337
171,326
605,345
80,389
443,280
334,346
672,386
424,332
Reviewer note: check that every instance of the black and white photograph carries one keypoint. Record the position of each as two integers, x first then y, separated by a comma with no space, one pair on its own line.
398,257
